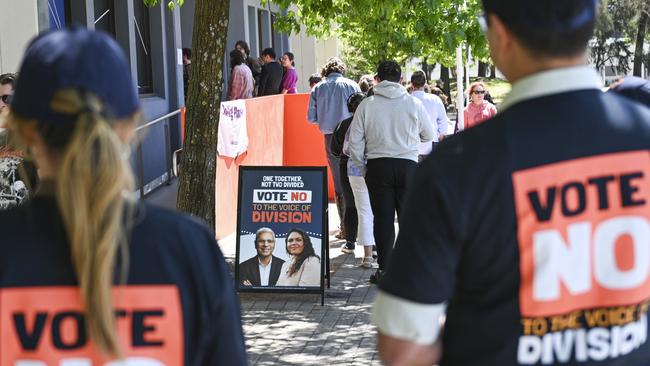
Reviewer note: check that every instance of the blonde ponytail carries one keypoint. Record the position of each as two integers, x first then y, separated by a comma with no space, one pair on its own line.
93,180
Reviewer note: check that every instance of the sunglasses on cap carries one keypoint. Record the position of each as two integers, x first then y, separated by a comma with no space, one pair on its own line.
6,99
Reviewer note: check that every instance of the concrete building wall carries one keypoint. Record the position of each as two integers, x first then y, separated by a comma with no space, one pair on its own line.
18,24
187,12
304,49
311,54
326,49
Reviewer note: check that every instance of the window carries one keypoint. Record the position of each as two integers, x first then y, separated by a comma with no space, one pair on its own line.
143,47
105,16
256,51
59,13
274,44
277,42
263,29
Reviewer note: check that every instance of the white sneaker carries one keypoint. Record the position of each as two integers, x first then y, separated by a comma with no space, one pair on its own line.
347,248
367,262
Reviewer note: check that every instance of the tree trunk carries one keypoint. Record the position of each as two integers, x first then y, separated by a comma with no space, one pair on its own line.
432,67
425,68
196,187
482,69
640,39
493,72
444,76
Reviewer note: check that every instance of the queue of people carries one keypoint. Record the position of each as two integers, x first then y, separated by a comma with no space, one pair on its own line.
384,133
250,77
266,76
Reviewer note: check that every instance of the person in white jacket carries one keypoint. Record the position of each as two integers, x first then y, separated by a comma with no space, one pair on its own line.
384,141
434,107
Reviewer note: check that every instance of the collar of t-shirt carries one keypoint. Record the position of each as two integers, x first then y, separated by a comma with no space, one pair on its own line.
551,82
334,75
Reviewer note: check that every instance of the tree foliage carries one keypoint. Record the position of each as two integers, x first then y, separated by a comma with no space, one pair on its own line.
171,4
397,29
616,34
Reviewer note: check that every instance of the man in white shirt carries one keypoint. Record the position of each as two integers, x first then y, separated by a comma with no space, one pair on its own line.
434,107
264,268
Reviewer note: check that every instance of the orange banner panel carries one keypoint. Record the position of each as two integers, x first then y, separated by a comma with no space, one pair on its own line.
264,123
303,142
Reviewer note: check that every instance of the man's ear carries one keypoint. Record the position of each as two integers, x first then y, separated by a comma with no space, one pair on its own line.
500,37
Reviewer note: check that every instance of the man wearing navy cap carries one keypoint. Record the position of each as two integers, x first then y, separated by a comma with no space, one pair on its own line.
526,241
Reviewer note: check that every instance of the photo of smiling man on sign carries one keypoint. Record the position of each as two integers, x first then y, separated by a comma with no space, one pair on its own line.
264,268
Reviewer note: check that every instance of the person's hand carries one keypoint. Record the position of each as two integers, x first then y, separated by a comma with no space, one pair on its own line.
441,137
247,283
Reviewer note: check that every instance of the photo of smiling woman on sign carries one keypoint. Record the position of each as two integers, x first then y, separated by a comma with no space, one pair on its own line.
303,269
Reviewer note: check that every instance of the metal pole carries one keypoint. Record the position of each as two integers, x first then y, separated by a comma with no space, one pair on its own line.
168,153
469,55
460,99
139,162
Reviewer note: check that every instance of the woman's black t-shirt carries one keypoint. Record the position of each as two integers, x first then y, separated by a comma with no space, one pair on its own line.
178,306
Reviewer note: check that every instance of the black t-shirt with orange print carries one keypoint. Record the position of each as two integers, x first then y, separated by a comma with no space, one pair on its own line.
535,230
177,308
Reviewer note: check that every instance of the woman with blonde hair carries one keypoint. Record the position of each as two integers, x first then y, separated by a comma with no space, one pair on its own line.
116,279
478,110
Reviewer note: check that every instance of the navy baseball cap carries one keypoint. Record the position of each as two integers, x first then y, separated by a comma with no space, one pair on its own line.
74,58
634,88
551,15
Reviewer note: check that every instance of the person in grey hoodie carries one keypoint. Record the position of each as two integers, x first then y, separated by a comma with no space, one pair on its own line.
384,139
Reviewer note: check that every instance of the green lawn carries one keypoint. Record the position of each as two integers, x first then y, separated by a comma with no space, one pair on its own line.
498,88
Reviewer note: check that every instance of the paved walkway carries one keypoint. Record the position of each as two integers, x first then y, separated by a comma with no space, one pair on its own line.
289,329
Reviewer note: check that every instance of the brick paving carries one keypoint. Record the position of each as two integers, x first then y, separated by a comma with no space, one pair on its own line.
290,329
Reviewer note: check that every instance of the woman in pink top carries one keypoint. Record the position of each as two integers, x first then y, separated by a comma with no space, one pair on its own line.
290,78
241,77
478,109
